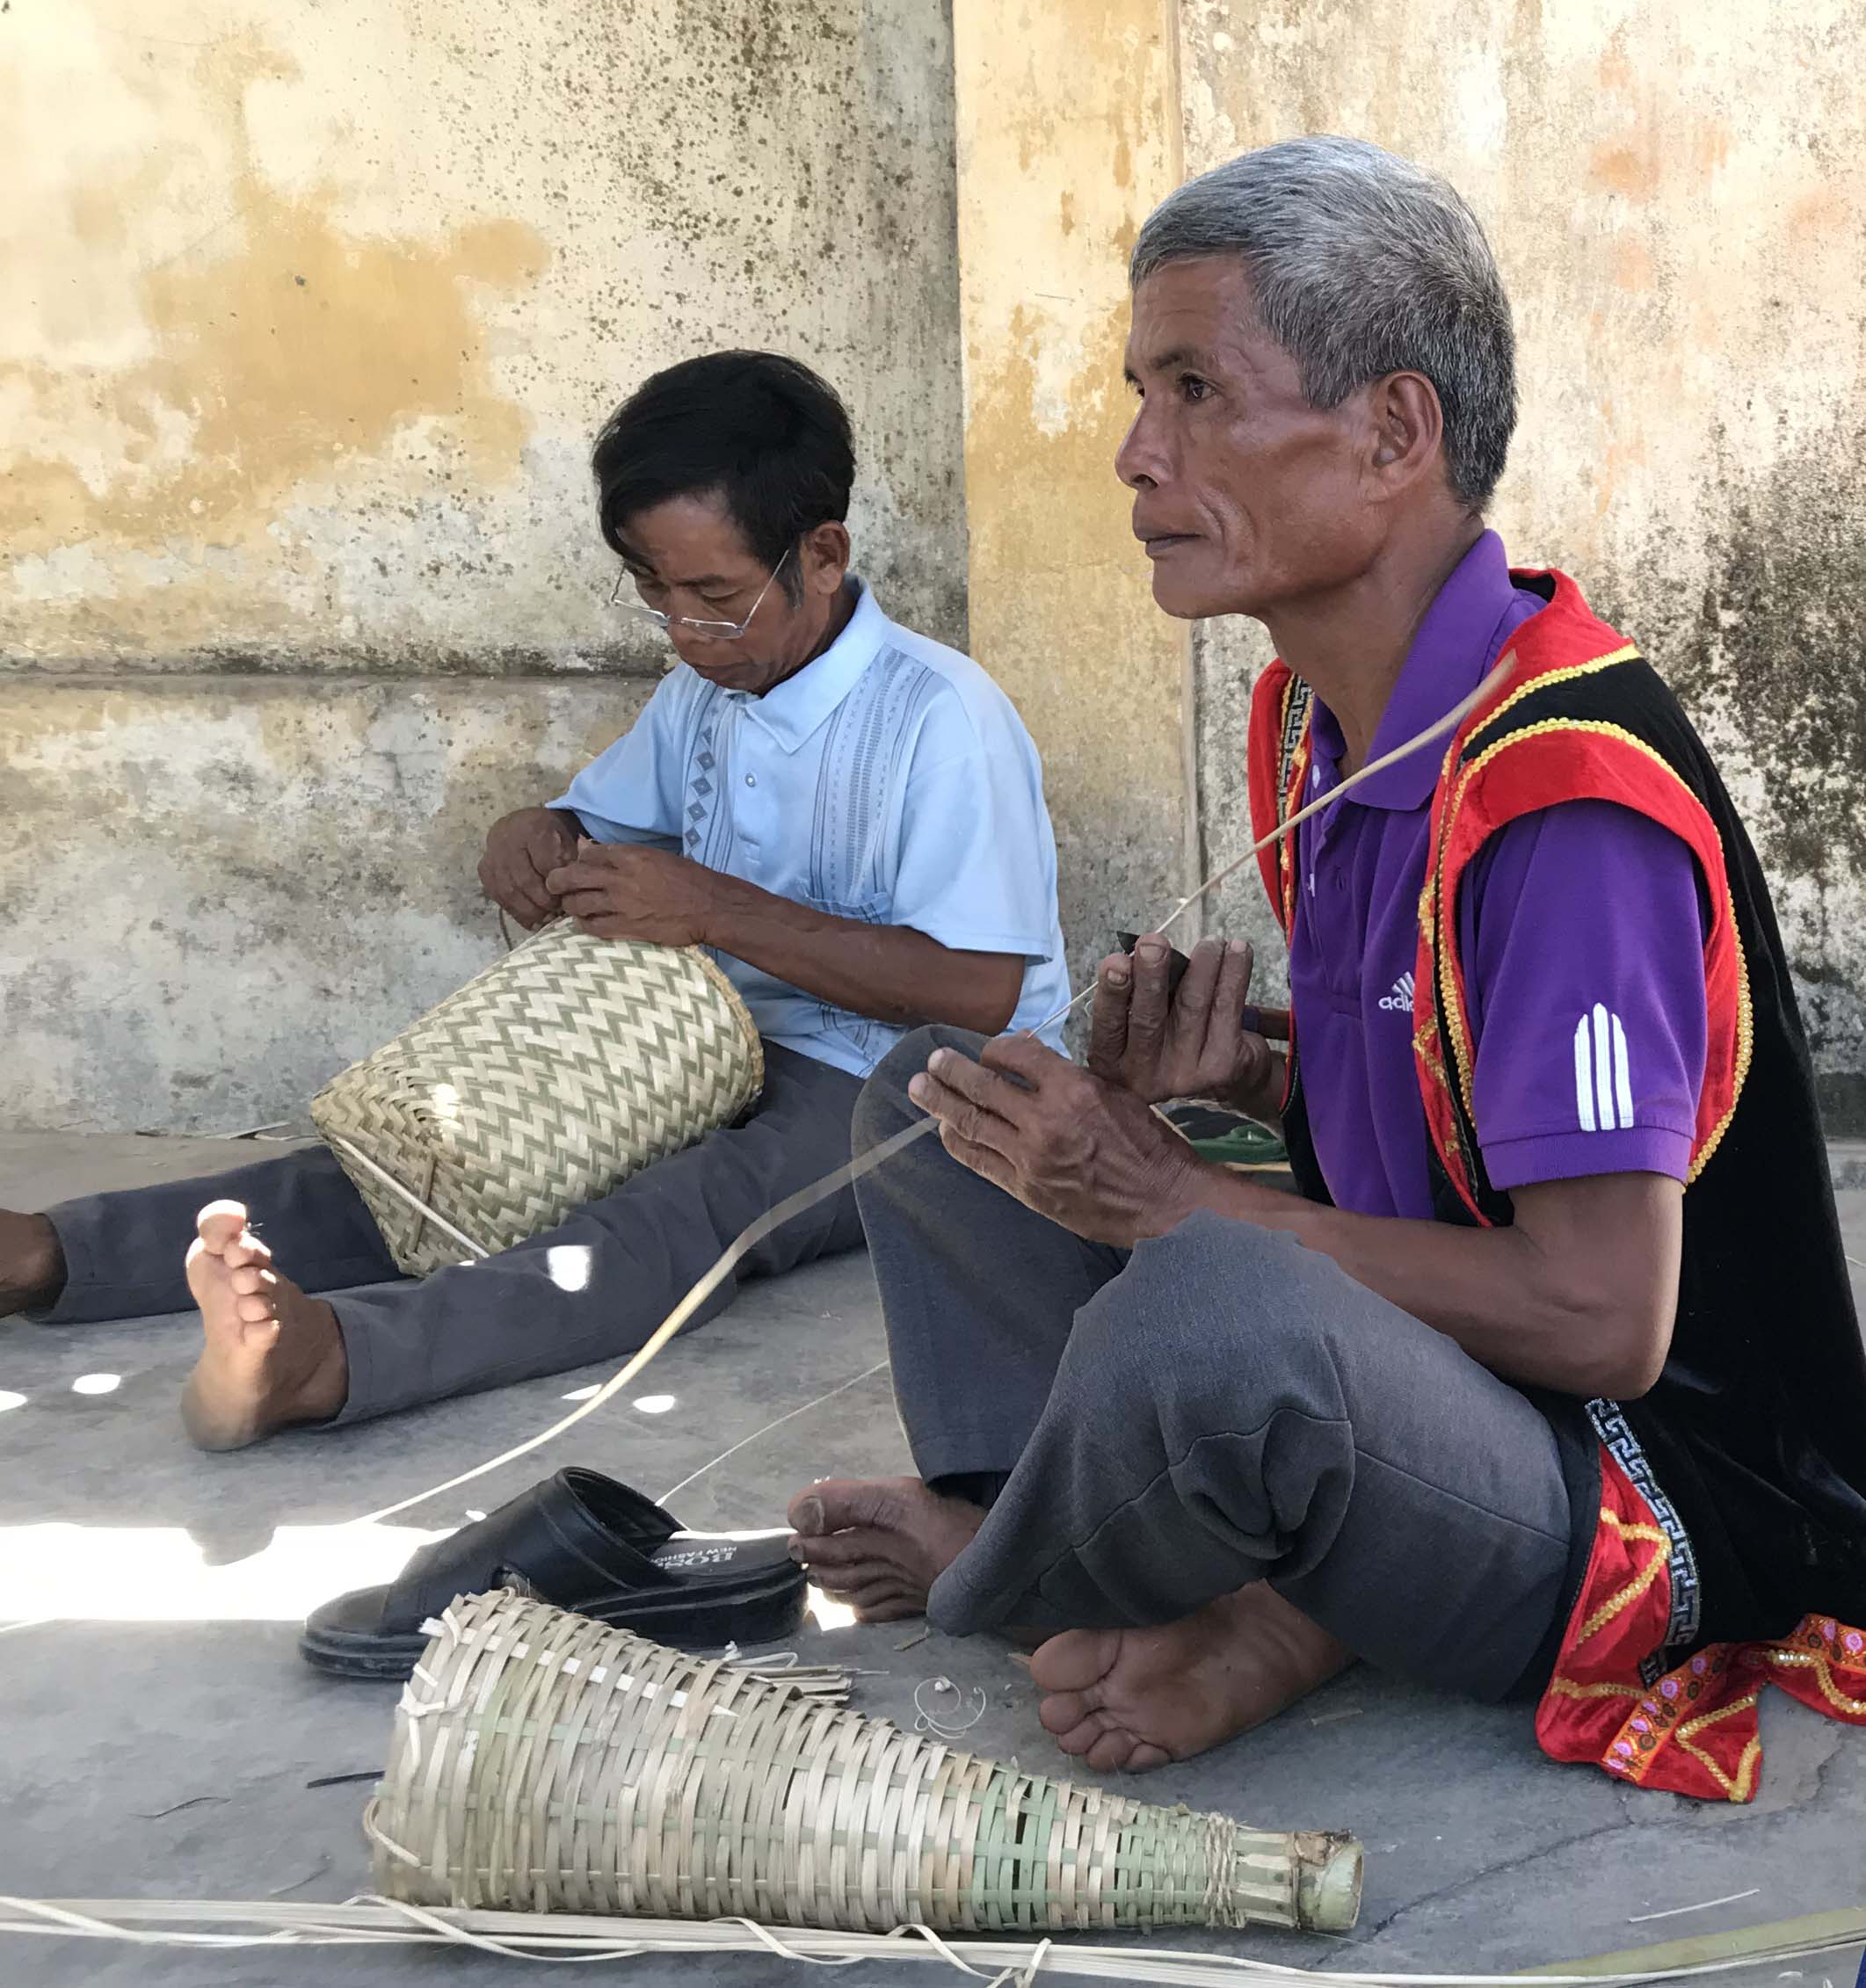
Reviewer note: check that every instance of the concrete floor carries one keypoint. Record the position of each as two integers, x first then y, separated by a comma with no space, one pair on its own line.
161,1730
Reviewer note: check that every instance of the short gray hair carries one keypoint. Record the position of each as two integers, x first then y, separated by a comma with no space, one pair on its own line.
1363,265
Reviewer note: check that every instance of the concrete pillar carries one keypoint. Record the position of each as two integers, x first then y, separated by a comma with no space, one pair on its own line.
1069,132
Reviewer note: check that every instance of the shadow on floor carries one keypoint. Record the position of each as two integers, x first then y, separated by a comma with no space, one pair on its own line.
161,1730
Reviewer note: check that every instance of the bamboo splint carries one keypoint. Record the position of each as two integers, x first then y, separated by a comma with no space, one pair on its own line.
543,1762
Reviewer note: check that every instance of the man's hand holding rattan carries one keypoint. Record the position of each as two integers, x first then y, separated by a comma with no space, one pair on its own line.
622,890
522,849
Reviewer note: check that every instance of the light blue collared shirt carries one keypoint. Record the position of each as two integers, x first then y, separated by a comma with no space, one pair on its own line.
890,780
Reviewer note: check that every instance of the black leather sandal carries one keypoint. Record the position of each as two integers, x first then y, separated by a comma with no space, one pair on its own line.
581,1542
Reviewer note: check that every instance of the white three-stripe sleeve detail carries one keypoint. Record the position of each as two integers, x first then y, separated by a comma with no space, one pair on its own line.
1603,1070
1584,1073
1623,1077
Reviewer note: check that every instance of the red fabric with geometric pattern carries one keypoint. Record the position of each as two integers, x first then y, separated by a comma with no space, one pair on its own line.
1693,1731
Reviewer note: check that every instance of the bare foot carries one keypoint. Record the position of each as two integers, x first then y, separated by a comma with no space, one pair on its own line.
879,1547
1131,1699
31,1264
272,1355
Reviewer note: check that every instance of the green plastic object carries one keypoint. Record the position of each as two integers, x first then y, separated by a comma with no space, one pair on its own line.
1245,1144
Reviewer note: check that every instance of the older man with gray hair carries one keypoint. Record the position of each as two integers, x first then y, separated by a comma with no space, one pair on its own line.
1510,1400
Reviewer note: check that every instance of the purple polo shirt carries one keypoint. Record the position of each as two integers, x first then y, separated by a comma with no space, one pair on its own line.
1582,942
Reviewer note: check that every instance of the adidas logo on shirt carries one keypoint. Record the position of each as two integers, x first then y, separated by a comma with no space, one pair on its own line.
1401,998
1603,1085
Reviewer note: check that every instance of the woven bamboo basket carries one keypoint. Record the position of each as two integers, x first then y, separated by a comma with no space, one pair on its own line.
547,1080
542,1762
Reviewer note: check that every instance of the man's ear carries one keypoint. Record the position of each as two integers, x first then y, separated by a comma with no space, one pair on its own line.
1407,431
823,558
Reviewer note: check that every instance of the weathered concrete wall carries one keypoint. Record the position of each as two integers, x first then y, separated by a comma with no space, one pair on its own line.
1067,137
204,948
1676,200
308,318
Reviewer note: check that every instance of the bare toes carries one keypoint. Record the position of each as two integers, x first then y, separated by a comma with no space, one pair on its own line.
838,1503
245,1252
1076,1660
220,1225
852,1585
845,1549
904,1609
1063,1711
1109,1753
1083,1735
888,1603
877,1587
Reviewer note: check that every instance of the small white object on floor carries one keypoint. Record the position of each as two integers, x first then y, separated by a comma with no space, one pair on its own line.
943,1708
1704,1906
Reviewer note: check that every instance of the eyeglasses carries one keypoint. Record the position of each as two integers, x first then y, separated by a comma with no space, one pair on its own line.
713,631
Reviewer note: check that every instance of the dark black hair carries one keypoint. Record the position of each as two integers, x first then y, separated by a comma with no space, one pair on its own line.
762,430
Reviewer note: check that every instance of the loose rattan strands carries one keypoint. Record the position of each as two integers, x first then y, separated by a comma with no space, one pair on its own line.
1013,1962
878,1155
547,1763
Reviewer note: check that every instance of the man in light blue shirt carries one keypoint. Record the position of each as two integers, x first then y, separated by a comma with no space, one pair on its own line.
849,815
889,782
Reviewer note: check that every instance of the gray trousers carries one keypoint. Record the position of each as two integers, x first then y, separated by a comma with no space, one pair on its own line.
636,1253
1153,1430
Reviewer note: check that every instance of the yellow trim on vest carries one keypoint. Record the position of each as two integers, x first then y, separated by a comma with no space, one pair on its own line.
1290,783
1627,653
1746,1042
1428,903
1460,1050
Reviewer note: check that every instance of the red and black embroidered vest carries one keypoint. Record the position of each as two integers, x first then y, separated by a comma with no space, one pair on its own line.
1754,1441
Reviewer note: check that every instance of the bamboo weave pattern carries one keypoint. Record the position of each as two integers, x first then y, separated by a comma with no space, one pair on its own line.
542,1762
542,1084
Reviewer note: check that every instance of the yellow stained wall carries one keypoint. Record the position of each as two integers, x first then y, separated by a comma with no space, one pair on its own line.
1068,135
310,314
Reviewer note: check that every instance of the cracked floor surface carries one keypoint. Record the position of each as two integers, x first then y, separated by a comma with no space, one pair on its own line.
162,1730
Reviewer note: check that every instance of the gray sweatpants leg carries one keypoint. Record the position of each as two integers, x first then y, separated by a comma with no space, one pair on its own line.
1220,1407
592,1289
595,1288
124,1252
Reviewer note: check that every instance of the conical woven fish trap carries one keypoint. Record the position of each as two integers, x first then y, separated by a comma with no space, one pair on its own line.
546,1081
543,1762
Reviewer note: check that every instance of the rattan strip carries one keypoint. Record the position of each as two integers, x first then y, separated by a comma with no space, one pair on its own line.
1018,1963
542,1762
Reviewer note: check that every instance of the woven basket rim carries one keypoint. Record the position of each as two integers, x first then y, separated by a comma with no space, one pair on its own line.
735,1006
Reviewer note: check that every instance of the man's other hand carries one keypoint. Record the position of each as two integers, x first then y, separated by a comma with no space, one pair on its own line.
1086,1153
622,890
1193,1043
522,849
